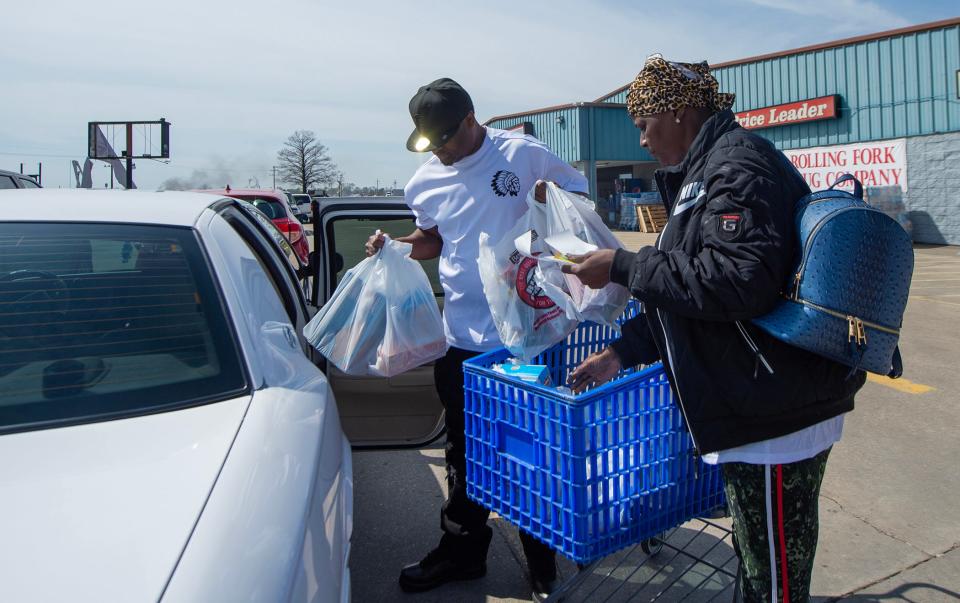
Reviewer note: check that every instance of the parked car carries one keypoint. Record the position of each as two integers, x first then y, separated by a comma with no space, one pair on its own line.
276,207
9,180
173,470
302,202
296,209
167,432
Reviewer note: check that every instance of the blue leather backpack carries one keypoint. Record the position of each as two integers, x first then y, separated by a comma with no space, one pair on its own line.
845,299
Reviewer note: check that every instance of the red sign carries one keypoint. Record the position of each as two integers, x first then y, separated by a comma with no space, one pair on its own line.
814,109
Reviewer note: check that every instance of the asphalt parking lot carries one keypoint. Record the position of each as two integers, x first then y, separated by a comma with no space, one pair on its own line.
890,522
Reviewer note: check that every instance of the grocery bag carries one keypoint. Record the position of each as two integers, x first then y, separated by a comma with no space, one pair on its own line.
527,320
570,217
382,319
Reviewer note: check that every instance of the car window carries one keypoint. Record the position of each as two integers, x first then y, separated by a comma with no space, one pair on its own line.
278,272
102,321
274,233
7,182
349,235
27,183
272,208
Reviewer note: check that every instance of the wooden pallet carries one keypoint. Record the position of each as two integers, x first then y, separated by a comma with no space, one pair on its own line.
651,218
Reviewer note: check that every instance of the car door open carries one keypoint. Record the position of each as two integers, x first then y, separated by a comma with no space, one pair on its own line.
398,411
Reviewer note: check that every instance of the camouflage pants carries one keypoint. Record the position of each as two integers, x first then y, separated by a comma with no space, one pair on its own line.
776,547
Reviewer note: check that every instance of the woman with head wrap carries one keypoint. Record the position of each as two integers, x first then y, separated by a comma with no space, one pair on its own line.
768,412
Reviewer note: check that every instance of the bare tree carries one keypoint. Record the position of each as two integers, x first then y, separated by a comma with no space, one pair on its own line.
304,162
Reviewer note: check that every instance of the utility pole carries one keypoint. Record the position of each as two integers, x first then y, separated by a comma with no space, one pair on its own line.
129,154
274,177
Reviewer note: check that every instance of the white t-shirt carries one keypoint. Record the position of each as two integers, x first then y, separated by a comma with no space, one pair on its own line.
791,448
484,192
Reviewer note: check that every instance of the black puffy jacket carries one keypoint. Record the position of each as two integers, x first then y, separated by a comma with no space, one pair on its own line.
723,258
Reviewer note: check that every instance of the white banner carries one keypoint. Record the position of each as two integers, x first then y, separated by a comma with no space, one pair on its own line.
881,163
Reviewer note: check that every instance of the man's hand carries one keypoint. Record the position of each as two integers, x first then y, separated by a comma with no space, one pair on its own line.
540,191
597,369
593,269
374,243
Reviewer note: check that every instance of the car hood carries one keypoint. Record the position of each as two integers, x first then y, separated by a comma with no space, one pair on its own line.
103,511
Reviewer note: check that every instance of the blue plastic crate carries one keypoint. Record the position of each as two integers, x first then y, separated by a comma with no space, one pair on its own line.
586,474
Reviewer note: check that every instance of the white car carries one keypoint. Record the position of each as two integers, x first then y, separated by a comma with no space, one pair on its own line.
302,202
165,431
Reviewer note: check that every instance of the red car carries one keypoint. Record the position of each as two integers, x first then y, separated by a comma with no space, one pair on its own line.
274,205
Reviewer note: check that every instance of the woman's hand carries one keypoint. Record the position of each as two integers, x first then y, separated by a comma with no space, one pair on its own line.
597,369
593,269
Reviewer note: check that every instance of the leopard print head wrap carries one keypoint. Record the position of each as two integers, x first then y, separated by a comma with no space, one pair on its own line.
663,86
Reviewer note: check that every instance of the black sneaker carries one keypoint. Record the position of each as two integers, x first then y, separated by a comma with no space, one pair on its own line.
446,564
541,566
543,582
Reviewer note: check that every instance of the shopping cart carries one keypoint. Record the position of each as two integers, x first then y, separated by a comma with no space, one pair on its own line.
693,563
591,475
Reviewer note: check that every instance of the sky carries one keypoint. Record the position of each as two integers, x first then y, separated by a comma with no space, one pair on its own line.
235,78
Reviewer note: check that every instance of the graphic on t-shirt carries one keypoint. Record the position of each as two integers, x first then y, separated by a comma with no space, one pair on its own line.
527,289
505,183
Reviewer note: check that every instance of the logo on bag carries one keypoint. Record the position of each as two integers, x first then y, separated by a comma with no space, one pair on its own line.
528,290
505,183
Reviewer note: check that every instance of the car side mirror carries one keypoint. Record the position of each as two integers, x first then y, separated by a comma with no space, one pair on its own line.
337,262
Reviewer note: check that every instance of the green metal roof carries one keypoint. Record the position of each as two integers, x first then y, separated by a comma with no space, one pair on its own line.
892,84
582,131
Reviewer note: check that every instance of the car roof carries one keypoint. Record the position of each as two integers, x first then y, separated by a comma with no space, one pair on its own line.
373,201
172,208
246,192
17,175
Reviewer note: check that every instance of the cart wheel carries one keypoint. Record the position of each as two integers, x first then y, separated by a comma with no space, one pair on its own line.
651,546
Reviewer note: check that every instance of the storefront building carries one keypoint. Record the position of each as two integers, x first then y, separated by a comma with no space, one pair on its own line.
884,107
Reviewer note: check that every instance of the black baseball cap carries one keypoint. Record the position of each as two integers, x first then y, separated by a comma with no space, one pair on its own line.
437,110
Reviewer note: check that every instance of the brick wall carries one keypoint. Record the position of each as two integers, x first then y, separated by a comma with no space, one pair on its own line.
933,179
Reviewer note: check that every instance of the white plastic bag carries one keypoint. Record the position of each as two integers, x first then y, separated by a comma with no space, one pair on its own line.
383,319
527,320
570,215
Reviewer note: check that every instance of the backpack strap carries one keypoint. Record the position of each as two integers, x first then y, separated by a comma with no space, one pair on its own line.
857,187
857,350
897,370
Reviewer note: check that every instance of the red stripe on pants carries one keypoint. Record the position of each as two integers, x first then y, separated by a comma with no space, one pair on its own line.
783,540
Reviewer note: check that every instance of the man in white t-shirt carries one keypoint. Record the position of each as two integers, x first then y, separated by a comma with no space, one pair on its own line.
476,182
